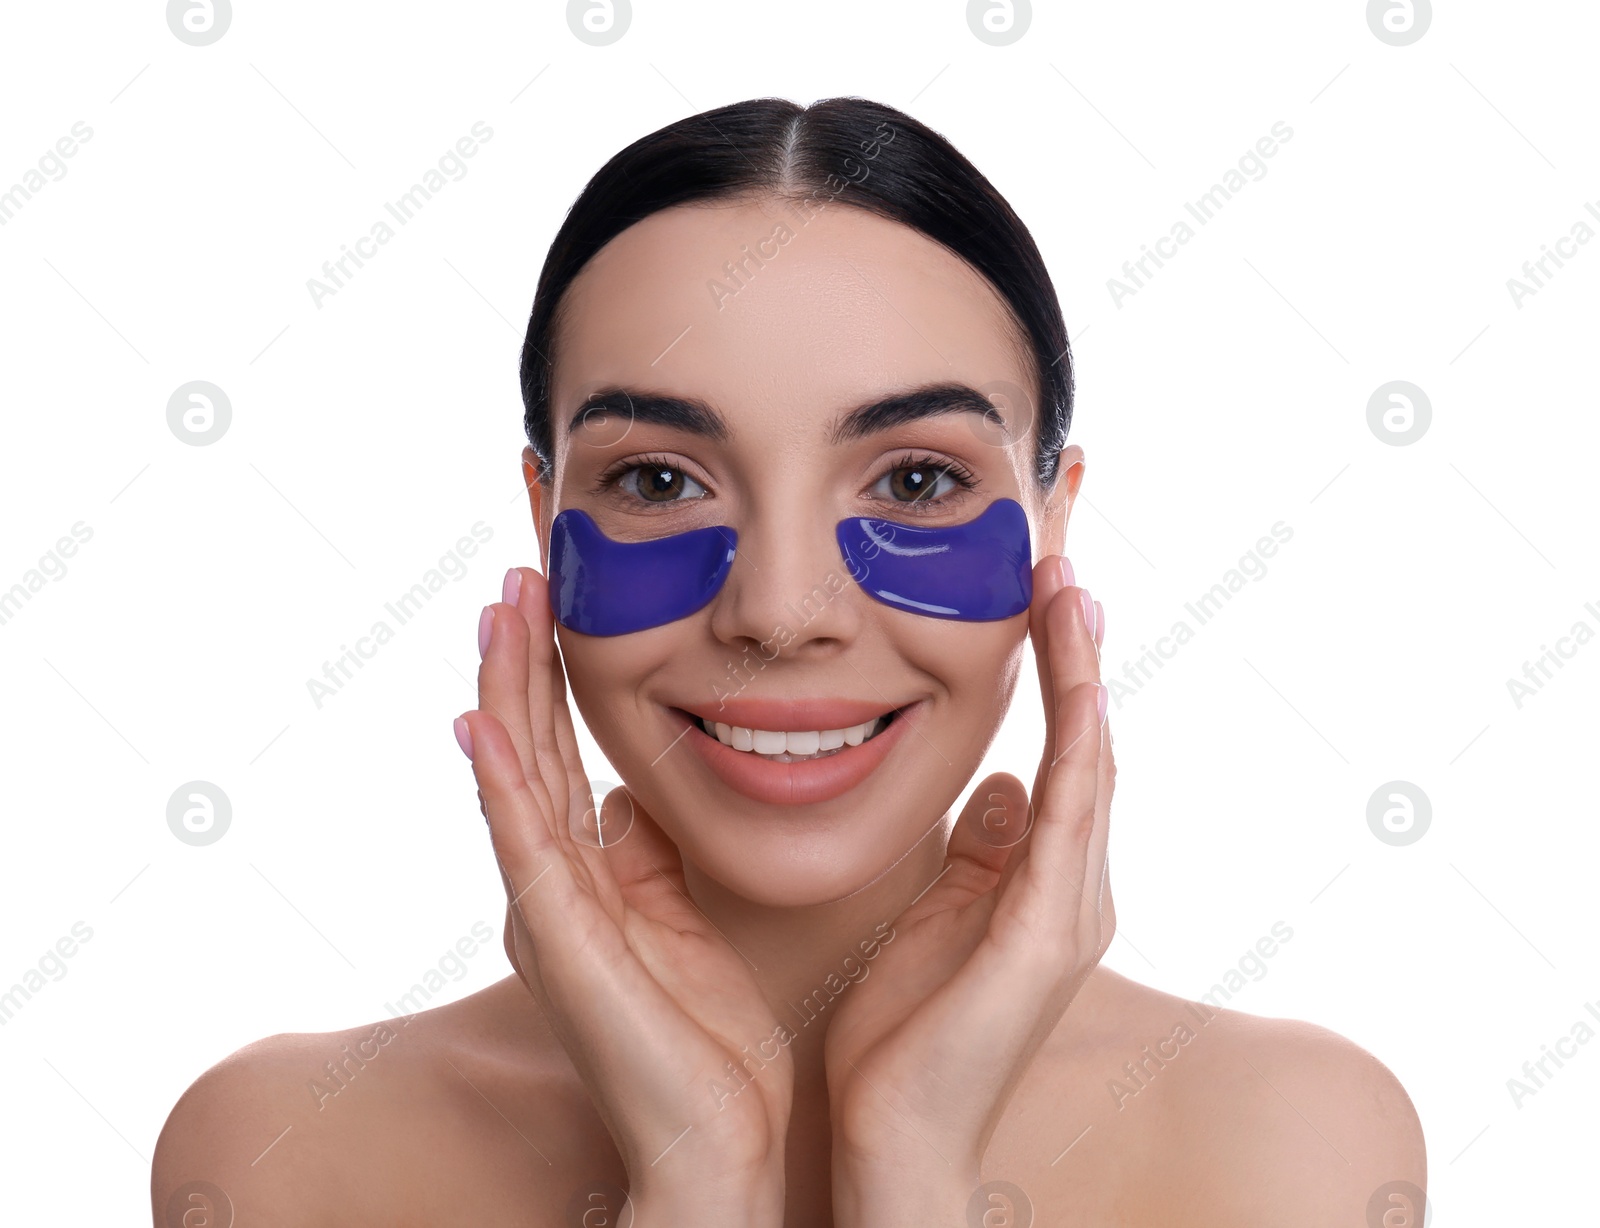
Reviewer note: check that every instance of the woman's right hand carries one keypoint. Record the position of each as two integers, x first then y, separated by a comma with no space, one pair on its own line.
651,1002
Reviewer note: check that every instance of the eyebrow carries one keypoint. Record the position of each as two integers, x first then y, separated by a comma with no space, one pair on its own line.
698,417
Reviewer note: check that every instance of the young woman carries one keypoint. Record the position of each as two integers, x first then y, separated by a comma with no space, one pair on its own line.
798,391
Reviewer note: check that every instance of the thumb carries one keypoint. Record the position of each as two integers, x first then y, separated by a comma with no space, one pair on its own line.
995,820
643,860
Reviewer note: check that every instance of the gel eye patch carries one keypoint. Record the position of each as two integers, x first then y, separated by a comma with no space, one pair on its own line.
975,572
600,586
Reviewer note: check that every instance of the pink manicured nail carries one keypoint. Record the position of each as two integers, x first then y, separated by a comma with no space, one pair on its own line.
1088,610
1064,565
485,625
1099,625
464,736
512,586
1104,698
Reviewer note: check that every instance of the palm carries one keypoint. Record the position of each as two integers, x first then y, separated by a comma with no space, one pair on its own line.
654,1006
645,931
906,1018
923,1057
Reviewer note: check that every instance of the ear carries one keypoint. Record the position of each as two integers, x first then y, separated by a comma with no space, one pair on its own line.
536,492
1058,502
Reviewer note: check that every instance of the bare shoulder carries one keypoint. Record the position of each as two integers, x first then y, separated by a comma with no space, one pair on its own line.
1157,1109
1318,1129
452,1115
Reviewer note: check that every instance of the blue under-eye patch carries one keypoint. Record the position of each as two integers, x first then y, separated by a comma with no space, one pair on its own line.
977,572
601,586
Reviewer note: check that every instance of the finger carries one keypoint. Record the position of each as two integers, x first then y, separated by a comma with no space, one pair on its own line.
529,594
1068,658
1053,575
645,863
992,825
1098,909
1097,870
540,876
1055,851
590,828
985,837
503,692
1036,952
555,738
1050,575
572,955
561,720
514,933
1037,928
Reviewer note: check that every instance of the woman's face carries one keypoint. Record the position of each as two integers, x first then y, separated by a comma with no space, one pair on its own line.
823,317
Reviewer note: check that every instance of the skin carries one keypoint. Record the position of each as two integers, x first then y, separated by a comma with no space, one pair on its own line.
981,1041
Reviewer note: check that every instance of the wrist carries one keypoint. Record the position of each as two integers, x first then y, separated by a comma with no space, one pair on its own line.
708,1202
887,1194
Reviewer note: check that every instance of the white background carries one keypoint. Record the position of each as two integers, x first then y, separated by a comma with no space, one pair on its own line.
370,433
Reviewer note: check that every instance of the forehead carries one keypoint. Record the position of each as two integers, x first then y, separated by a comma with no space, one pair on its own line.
759,307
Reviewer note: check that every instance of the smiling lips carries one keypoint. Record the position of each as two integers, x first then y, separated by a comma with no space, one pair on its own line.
797,752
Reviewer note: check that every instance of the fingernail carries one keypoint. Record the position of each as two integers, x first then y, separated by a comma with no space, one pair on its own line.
485,625
463,736
512,586
1088,610
1064,566
1103,697
1099,625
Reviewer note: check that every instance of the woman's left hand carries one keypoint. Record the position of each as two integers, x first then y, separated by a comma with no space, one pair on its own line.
925,1053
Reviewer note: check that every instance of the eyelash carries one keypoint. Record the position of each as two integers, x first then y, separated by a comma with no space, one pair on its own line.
964,479
612,476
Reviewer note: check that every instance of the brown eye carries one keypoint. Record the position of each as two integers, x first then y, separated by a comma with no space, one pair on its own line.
912,482
654,482
924,483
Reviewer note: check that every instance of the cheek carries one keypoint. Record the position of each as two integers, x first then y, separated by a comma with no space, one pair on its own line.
975,668
603,680
968,659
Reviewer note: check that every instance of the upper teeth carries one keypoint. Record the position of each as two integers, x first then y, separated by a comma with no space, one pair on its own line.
793,742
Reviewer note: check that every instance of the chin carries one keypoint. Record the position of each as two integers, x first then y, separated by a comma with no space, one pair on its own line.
785,869
797,856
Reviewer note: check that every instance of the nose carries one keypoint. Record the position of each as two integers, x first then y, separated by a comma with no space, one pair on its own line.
790,590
